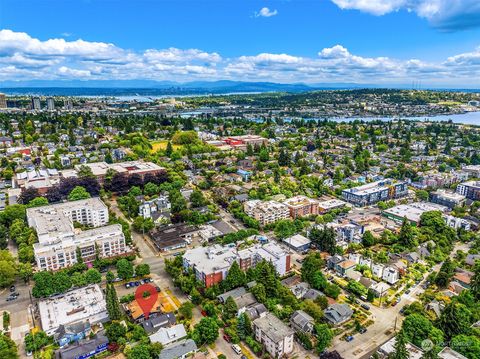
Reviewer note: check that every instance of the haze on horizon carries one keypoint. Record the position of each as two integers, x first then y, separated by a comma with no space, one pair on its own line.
382,42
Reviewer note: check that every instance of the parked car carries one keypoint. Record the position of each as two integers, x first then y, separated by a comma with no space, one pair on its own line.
127,285
408,291
236,348
362,330
349,338
226,338
366,307
12,288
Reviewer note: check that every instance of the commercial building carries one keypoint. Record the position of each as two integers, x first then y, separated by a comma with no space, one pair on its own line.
100,169
58,240
470,190
375,192
298,243
276,337
266,212
241,142
41,179
300,206
84,349
331,204
412,212
173,237
83,305
447,198
211,264
3,101
472,170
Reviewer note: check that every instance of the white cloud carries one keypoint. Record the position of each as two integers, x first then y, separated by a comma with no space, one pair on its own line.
449,15
23,57
266,12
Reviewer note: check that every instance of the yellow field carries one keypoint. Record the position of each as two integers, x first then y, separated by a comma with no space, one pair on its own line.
161,145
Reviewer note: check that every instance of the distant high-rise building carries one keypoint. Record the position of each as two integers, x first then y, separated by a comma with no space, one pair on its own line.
50,104
67,104
36,105
3,100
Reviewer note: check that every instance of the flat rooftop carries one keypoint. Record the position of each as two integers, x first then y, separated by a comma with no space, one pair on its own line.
414,211
273,327
74,306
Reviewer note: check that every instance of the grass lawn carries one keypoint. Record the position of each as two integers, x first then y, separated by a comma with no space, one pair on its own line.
161,145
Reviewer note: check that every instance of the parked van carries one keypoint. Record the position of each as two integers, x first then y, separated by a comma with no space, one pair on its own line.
236,348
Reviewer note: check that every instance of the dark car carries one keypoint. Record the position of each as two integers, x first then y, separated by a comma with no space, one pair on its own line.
408,291
366,307
226,338
362,330
137,284
349,338
10,298
12,288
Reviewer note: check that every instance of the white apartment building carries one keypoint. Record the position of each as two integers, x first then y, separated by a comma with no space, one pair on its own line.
266,212
274,335
58,240
270,252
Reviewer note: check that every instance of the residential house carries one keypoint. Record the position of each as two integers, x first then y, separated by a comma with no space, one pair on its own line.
302,322
179,350
337,314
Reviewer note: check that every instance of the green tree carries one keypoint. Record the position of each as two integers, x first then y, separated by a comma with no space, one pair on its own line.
35,342
186,310
78,193
8,348
110,276
244,326
235,277
25,271
206,331
455,320
169,149
142,270
324,337
93,276
475,281
400,347
7,269
115,331
124,269
324,239
467,345
259,292
230,309
285,228
406,235
113,306
368,239
313,309
37,202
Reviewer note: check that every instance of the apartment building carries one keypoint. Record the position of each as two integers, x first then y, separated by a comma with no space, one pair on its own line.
211,264
447,198
266,212
300,206
470,189
276,337
270,252
3,101
375,192
58,240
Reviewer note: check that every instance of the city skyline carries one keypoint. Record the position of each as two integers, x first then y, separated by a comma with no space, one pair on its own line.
381,42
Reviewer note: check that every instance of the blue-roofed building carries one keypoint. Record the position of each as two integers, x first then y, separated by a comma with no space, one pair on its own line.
245,174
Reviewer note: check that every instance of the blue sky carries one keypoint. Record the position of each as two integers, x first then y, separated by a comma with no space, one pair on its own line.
364,41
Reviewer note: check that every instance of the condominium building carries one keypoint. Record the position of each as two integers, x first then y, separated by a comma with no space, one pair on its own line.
50,104
36,105
58,240
470,189
3,100
211,264
276,336
266,212
374,192
300,206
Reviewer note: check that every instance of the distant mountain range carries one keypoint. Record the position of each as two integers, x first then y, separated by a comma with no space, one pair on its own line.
169,88
158,88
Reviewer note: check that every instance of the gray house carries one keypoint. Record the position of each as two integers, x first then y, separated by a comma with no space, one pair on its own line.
302,322
337,314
